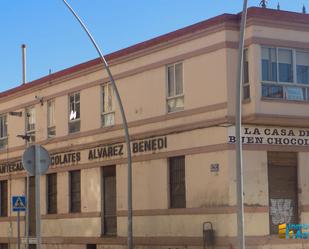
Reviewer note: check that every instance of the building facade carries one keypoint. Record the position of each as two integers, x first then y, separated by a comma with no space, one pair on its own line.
178,92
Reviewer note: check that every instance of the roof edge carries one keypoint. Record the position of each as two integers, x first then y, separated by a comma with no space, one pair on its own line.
253,12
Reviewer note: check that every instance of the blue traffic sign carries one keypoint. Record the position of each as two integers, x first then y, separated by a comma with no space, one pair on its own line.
19,203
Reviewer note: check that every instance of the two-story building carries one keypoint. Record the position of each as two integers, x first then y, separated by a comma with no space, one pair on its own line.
178,92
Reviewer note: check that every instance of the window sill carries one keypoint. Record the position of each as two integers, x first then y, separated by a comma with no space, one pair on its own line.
285,101
177,111
107,126
107,236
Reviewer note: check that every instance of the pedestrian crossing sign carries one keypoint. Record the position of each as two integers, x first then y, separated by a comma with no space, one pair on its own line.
19,203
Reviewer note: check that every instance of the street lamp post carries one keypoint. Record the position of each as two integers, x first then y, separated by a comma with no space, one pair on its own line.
124,120
239,162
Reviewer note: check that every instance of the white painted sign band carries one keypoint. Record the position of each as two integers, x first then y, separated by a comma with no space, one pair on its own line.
271,135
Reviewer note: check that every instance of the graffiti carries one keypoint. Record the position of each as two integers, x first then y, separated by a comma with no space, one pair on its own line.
281,211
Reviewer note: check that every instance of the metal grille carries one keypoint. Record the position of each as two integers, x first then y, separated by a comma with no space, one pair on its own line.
3,143
177,182
51,132
74,126
3,198
32,136
52,193
109,197
75,204
282,180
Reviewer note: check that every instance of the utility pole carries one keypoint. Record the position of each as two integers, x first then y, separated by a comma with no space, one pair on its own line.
124,121
239,163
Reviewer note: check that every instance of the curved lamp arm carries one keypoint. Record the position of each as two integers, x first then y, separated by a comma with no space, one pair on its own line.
125,125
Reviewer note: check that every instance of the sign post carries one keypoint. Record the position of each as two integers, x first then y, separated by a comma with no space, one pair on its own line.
36,161
18,204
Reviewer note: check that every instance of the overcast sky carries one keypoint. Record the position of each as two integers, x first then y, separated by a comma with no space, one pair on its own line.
55,40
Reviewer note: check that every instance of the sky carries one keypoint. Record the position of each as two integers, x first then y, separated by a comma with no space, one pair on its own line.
55,40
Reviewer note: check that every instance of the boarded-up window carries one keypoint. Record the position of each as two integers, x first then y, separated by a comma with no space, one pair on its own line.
51,184
75,204
177,182
3,198
282,181
109,226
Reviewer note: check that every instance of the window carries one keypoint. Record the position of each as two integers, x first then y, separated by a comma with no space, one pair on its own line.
91,246
3,198
51,127
285,74
285,65
3,132
75,203
302,67
177,182
246,86
74,112
108,112
51,189
109,226
30,123
175,96
269,64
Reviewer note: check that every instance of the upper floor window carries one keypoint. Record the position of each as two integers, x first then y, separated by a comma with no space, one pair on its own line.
108,111
3,132
246,85
51,126
285,74
175,96
30,123
74,112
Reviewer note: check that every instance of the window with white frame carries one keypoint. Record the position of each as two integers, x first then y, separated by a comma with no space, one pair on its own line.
108,105
74,112
30,123
51,125
285,73
3,132
175,96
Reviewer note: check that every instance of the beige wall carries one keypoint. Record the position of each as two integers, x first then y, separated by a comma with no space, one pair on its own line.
91,190
206,188
209,93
